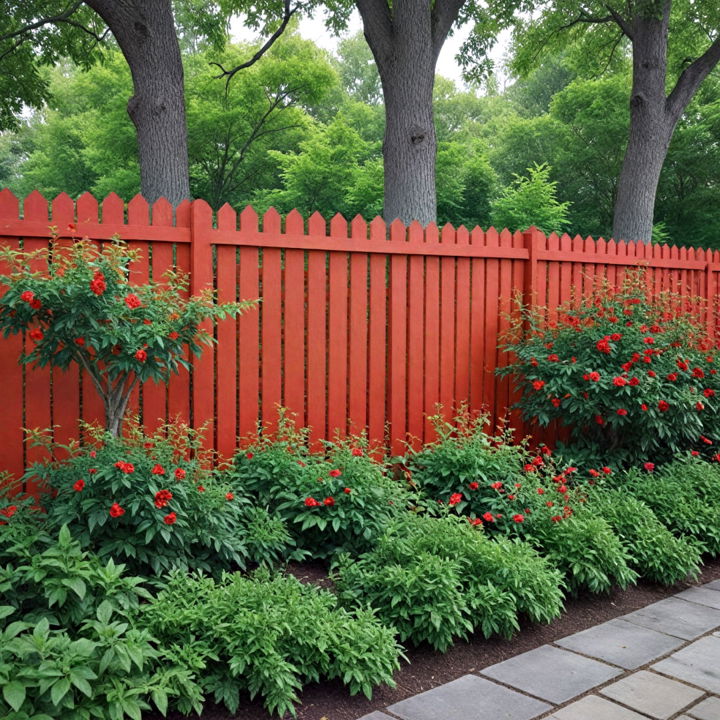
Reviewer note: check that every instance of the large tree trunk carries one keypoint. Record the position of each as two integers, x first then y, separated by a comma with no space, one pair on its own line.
650,133
145,32
405,40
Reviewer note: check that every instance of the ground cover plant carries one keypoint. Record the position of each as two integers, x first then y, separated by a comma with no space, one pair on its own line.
439,579
509,490
631,373
154,502
337,499
76,304
268,636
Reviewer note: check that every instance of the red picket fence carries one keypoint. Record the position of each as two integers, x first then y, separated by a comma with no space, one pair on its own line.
360,326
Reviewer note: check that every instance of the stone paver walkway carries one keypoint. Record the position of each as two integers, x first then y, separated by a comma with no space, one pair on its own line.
660,663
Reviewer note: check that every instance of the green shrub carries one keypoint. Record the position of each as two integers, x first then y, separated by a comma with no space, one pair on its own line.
436,579
267,636
68,646
339,500
632,375
152,502
677,505
654,552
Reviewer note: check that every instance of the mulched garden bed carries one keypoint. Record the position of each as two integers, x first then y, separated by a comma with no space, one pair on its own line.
427,668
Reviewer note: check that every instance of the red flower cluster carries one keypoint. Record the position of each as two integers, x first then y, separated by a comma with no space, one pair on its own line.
180,474
158,469
162,498
79,485
170,518
116,510
455,498
98,284
132,301
141,355
125,467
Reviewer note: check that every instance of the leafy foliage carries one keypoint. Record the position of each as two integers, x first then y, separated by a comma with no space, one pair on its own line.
436,579
152,502
267,636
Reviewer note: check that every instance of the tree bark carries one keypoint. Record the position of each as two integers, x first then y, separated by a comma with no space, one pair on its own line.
145,31
406,41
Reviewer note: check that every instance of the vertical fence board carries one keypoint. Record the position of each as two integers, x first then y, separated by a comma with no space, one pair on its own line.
462,322
477,320
398,341
415,354
358,365
431,348
377,334
447,324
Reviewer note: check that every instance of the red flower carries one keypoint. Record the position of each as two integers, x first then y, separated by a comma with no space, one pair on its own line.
311,502
9,511
335,473
92,471
80,341
200,488
649,466
455,498
698,373
619,381
644,407
599,419
474,485
36,304
488,517
699,406
132,301
98,284
603,346
545,450
174,335
180,474
27,296
158,469
607,470
229,496
562,489
249,455
556,518
533,362
556,402
538,384
518,518
36,334
92,453
706,440
663,406
125,467
649,341
79,485
553,358
621,411
329,501
651,373
708,392
716,457
357,452
116,510
672,377
511,497
141,355
682,365
170,518
162,498
498,485
549,503
694,453
634,381
615,337
347,491
593,473
540,491
594,376
475,521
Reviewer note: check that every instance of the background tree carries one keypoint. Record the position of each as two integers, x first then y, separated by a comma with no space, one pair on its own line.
674,44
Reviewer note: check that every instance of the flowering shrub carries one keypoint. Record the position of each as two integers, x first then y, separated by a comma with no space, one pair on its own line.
268,636
654,552
436,579
633,375
68,647
152,502
83,309
338,500
678,504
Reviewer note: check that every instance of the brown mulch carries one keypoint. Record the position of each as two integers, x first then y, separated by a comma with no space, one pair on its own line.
428,669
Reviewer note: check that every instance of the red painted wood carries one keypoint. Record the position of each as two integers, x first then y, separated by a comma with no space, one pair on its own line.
377,395
447,325
294,311
414,351
492,288
338,332
477,321
431,348
358,330
553,294
503,392
398,342
462,322
227,336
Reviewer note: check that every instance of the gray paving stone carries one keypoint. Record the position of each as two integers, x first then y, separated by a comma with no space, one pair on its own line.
469,698
622,643
708,709
698,663
377,715
703,595
593,707
552,674
672,616
652,694
714,585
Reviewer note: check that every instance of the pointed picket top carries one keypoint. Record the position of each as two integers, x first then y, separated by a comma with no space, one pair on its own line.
182,214
447,234
477,236
492,237
201,215
295,223
415,232
338,226
317,224
432,233
506,237
271,221
9,205
162,212
226,217
462,235
249,219
378,229
63,214
589,245
113,209
518,238
138,211
87,208
601,246
35,207
398,232
674,252
358,228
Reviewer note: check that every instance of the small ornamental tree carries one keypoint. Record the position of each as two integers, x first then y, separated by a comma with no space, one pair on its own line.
80,307
633,374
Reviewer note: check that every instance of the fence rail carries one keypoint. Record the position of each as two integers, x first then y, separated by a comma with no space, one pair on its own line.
361,325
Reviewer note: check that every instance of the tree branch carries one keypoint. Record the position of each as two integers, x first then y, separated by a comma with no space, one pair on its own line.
444,15
690,80
288,12
49,20
377,28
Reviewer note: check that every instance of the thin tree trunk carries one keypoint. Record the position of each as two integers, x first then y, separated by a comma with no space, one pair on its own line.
145,32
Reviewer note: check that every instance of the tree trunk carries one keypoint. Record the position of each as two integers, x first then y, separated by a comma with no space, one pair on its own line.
405,40
145,32
651,130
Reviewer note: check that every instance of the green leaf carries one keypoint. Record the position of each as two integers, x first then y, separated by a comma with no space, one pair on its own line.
14,694
59,691
6,611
